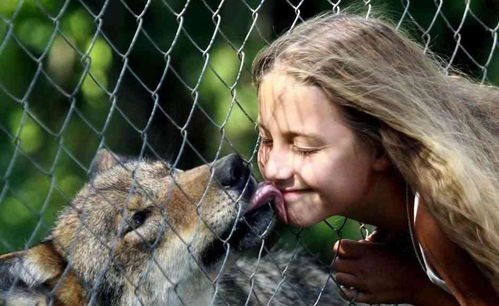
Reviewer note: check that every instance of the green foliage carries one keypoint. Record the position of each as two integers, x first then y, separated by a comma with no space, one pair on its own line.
76,77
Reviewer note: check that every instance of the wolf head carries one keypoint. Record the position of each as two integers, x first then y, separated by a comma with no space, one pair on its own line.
140,232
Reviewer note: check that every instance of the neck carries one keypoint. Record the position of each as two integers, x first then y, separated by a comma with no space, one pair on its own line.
196,290
388,203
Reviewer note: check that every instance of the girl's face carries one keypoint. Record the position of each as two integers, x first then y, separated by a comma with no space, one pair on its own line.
310,154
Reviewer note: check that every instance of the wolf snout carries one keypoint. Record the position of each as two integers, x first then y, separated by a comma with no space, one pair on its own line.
232,173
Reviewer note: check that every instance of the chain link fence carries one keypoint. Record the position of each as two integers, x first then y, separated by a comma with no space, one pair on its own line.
170,80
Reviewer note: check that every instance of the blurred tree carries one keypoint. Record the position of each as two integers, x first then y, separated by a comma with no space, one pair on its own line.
166,79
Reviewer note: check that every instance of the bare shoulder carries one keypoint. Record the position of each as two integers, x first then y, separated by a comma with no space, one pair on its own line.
453,264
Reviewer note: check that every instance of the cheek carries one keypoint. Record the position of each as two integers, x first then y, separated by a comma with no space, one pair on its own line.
316,174
338,180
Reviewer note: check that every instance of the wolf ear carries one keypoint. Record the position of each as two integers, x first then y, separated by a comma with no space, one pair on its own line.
105,160
23,274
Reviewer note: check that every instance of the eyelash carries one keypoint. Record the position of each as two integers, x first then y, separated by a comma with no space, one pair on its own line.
301,151
265,141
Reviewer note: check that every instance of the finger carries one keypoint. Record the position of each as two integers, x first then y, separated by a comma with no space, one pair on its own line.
348,248
353,294
356,296
336,246
378,235
348,280
345,265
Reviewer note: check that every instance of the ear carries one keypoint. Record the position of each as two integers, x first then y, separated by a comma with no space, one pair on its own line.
24,275
105,160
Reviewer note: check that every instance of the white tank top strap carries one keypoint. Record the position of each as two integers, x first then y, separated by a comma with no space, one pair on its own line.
429,271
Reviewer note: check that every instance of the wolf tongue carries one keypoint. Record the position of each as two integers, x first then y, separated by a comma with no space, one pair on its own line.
266,193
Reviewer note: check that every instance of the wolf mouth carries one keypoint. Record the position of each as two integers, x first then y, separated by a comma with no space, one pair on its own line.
247,233
258,202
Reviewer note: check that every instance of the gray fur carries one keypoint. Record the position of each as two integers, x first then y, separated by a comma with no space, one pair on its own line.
97,255
280,278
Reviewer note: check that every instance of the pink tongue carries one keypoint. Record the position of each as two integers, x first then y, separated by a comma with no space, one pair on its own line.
266,193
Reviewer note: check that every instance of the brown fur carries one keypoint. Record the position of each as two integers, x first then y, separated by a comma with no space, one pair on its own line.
95,253
138,234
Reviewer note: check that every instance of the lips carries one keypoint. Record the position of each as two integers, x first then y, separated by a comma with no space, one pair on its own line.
266,193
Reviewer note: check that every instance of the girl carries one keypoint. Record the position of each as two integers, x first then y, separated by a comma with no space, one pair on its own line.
356,121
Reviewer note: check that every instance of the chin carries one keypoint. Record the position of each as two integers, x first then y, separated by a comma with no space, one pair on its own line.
302,214
297,220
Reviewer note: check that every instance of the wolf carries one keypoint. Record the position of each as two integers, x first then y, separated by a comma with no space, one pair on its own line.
143,233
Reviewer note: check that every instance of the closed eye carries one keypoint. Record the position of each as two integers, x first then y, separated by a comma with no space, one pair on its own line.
304,150
265,141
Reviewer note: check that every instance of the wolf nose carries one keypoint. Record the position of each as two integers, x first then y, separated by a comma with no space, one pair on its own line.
231,171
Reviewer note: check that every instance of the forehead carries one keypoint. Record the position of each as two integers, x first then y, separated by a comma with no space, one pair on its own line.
288,105
122,177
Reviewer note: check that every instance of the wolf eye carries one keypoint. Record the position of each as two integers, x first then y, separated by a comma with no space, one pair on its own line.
139,218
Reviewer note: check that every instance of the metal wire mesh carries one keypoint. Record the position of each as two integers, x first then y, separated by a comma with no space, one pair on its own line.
170,80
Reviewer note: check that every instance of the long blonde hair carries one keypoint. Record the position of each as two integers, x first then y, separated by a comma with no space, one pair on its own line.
440,131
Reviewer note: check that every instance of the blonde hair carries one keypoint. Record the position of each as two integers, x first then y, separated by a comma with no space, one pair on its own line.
440,131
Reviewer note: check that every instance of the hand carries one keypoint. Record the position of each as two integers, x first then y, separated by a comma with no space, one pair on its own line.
379,272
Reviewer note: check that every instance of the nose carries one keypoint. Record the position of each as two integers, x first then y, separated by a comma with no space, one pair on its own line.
231,172
276,166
